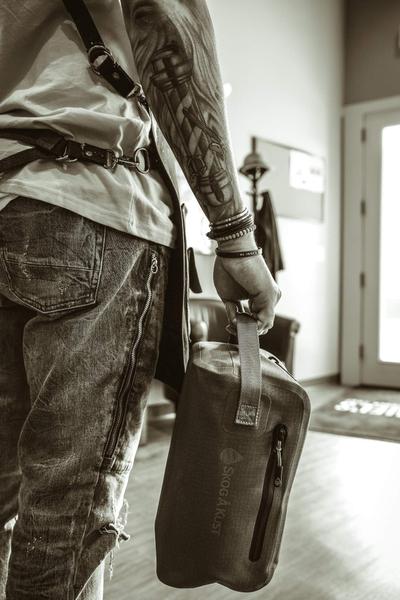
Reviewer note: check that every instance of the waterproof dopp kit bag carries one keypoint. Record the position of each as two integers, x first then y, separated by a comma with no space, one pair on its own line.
239,431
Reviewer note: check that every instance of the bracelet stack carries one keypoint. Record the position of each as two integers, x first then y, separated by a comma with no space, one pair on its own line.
233,227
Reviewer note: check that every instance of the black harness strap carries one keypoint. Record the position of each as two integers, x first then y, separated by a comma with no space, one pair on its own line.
20,159
100,57
48,144
45,139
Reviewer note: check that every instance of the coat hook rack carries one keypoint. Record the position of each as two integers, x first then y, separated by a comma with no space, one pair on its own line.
254,168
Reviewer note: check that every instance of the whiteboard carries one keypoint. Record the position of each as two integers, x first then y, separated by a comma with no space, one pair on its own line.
296,181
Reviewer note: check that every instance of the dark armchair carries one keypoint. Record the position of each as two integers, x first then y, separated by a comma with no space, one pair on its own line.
207,322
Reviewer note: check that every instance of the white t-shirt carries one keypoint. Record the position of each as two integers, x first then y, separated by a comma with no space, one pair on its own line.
46,82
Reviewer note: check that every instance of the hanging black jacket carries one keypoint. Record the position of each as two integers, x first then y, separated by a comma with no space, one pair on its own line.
267,235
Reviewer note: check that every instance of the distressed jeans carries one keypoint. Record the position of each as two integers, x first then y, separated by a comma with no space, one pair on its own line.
81,309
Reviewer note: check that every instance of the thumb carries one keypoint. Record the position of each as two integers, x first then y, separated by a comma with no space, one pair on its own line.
231,309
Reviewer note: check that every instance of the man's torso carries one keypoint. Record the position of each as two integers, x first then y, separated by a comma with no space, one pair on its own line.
47,83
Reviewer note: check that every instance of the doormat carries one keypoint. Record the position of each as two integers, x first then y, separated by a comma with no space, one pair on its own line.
361,412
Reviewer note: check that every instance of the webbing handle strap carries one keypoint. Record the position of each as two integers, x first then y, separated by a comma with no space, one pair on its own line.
100,57
250,370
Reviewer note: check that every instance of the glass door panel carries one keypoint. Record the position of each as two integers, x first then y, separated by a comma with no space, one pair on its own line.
389,280
380,364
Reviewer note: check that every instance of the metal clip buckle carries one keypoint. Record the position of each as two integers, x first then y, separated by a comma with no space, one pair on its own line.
111,160
105,52
240,309
142,160
137,91
65,157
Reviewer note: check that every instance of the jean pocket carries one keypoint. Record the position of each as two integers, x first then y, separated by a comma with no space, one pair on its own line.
52,257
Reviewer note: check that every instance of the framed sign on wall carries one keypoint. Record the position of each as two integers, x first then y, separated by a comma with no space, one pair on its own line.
295,180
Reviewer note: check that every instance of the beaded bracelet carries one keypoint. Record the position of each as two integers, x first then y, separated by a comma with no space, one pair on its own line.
238,253
235,236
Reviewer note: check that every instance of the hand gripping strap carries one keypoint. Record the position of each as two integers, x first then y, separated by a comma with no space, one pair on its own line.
250,371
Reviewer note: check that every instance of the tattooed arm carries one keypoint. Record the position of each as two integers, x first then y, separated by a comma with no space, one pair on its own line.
174,50
175,54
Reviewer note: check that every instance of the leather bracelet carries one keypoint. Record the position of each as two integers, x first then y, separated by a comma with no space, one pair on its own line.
238,253
229,220
214,234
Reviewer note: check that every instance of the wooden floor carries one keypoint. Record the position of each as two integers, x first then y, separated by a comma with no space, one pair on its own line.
342,535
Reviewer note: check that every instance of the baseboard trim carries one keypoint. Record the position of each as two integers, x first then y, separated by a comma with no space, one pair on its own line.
326,379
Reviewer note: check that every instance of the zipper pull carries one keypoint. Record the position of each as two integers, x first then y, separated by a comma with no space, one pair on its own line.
279,466
280,438
154,263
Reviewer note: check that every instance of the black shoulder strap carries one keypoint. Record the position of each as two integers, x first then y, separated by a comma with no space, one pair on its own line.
100,57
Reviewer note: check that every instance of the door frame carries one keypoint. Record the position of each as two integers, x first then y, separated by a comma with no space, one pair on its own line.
354,117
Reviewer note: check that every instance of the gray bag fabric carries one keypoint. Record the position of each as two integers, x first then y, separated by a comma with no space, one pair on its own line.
239,431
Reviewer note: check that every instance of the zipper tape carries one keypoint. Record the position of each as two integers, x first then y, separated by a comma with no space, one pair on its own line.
122,399
272,483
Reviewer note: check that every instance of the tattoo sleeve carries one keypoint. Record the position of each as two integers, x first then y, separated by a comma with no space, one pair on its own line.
174,51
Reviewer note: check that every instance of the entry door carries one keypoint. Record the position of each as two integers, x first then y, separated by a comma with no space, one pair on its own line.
381,253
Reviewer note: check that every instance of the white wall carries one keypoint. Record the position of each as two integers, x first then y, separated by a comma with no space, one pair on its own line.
284,61
372,50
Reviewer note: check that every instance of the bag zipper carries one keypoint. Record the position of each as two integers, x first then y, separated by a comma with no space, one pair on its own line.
278,362
122,399
272,482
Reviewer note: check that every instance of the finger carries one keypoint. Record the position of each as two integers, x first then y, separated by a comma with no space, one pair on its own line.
264,303
231,330
265,317
231,310
263,328
266,298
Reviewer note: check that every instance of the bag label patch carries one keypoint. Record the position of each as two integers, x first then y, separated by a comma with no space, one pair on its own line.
228,457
